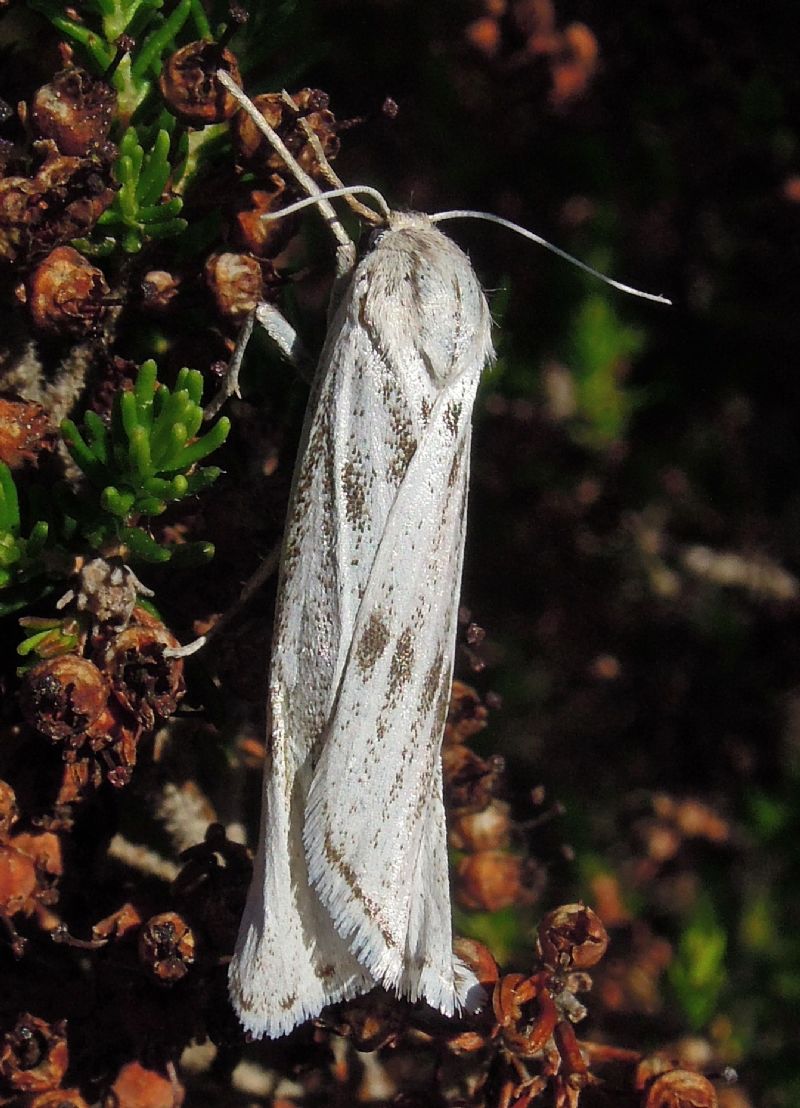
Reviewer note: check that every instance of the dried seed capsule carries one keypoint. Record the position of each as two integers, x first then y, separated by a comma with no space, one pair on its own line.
370,1022
58,1098
74,110
143,679
62,201
264,237
34,1056
310,105
159,289
236,283
466,715
18,882
9,811
490,880
108,589
137,1087
167,946
525,1011
572,937
190,89
64,698
680,1089
25,432
479,959
486,830
469,781
65,293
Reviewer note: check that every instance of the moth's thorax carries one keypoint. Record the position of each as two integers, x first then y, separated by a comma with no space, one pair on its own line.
416,291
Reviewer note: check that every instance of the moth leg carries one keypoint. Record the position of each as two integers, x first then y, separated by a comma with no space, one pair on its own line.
281,333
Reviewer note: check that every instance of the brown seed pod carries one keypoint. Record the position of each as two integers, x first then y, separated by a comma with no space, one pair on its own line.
310,105
469,781
479,959
572,937
371,1021
236,283
65,293
107,589
25,432
191,90
143,679
525,1012
119,924
680,1089
74,110
57,1098
159,289
167,947
9,810
62,201
138,1087
34,1056
466,715
64,698
490,880
18,882
265,238
486,830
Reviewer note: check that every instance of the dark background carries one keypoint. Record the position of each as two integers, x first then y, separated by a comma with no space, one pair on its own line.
622,671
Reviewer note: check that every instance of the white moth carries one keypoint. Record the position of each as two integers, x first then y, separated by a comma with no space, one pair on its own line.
350,887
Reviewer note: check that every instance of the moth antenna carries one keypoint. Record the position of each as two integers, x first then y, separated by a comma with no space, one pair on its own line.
307,183
490,218
329,173
331,194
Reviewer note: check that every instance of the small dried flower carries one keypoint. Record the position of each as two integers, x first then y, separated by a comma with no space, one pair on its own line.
190,88
167,947
34,1056
159,289
57,1098
119,924
680,1089
525,1012
9,811
572,937
310,105
371,1021
75,111
466,715
18,882
64,698
486,830
265,238
469,781
62,201
143,679
479,959
25,432
108,590
490,880
65,293
236,283
138,1087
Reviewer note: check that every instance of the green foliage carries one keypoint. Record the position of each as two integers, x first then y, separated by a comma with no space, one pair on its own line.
138,212
144,460
697,972
20,558
601,346
153,33
153,149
